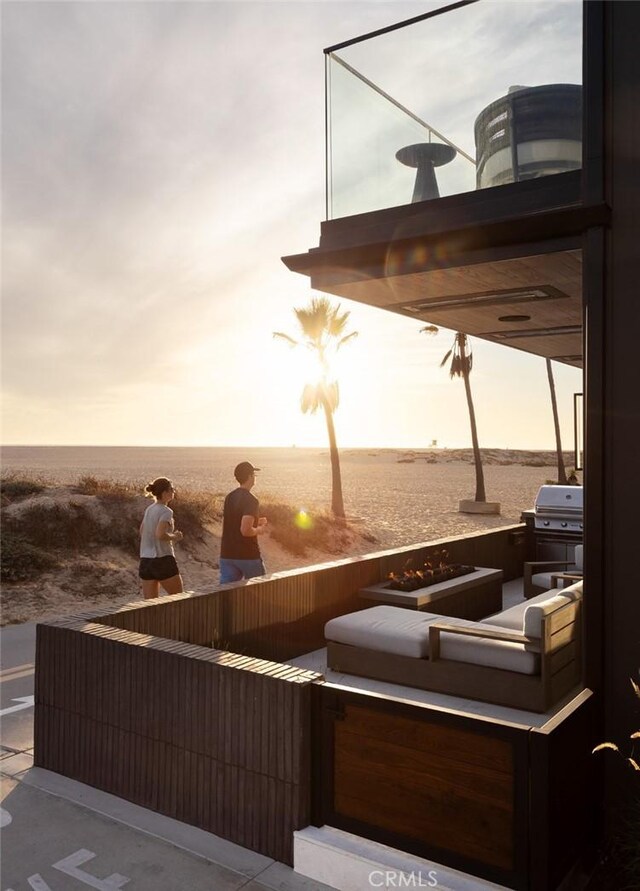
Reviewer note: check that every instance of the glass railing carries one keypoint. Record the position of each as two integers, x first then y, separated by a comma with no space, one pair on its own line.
467,97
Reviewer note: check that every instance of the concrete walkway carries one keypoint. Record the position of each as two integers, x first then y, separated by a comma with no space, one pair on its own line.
60,834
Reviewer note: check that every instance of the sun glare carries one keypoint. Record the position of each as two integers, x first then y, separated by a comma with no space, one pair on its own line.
303,520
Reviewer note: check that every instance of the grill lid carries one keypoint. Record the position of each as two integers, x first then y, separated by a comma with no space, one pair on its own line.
559,500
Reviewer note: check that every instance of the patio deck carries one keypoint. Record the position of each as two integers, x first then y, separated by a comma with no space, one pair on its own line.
249,745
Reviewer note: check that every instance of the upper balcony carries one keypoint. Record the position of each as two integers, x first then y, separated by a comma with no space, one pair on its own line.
464,167
463,98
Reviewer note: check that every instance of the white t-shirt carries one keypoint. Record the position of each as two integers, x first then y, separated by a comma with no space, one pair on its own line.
150,546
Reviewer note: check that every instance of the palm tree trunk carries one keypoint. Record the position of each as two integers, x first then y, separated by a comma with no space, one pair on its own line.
562,473
480,493
337,504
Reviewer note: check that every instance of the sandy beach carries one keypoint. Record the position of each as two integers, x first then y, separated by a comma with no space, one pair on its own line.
393,498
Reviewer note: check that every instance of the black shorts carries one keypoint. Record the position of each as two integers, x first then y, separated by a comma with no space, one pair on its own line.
157,569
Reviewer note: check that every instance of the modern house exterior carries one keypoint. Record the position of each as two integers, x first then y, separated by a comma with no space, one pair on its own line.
202,706
463,261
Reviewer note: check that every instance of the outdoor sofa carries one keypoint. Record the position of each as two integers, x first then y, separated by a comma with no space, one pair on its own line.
526,657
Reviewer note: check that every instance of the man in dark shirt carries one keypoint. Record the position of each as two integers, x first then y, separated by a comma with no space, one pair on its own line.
241,525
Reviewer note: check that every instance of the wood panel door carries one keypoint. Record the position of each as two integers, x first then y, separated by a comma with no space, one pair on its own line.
443,786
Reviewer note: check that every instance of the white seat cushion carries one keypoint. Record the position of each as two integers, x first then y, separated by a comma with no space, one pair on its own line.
543,579
390,629
532,624
573,591
483,651
577,556
513,618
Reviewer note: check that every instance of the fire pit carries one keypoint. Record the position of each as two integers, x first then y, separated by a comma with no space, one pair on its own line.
447,589
436,569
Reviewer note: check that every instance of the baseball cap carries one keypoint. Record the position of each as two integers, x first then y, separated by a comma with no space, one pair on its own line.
243,471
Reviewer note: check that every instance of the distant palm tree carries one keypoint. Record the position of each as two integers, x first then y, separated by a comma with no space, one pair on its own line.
562,473
322,326
461,365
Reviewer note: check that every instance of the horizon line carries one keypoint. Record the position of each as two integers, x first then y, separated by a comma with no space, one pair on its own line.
405,448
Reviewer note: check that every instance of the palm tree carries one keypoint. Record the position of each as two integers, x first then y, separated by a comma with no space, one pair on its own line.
322,326
461,365
562,473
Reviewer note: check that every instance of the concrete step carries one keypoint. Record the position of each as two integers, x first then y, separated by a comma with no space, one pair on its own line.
350,863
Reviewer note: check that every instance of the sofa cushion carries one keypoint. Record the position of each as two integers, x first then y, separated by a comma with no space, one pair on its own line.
577,556
513,618
404,632
573,591
501,654
390,629
532,624
543,579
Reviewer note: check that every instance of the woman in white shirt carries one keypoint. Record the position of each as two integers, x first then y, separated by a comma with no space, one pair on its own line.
157,560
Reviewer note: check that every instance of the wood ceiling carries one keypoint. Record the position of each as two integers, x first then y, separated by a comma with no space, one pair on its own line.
544,290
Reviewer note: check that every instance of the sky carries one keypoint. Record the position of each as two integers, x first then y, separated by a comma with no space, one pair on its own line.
158,160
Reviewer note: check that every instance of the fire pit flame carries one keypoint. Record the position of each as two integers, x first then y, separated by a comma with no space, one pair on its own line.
436,568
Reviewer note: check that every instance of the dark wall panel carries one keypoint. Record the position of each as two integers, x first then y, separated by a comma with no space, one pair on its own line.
214,739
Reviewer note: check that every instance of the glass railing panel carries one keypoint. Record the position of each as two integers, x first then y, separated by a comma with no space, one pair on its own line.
499,82
374,159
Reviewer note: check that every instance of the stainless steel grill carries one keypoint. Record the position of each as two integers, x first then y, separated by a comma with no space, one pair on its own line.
555,524
559,508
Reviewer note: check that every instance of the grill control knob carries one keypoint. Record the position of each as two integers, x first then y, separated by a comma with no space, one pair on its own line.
545,523
564,525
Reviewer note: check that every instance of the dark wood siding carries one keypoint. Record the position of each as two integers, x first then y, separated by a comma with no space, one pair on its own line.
217,740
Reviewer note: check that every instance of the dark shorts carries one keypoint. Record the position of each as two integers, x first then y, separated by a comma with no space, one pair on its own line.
157,569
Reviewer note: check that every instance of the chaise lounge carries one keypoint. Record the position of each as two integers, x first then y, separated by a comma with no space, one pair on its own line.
526,657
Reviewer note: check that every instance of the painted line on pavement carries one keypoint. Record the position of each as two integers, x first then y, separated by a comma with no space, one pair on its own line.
18,671
23,702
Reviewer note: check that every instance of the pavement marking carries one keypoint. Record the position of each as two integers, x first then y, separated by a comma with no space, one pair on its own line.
18,671
70,866
25,702
38,883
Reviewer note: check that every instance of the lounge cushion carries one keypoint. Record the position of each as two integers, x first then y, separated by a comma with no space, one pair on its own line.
573,591
390,629
578,556
543,579
513,618
532,625
482,651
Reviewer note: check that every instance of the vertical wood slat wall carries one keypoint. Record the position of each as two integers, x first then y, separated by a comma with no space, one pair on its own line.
213,739
283,616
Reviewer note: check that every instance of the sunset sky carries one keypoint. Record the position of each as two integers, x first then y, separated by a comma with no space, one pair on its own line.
159,158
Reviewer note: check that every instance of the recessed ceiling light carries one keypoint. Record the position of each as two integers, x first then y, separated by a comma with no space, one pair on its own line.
487,298
534,332
514,318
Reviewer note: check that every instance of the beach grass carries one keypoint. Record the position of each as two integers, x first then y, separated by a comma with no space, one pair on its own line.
13,486
45,523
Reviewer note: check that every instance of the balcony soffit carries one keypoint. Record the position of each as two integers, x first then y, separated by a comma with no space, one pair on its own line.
531,303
